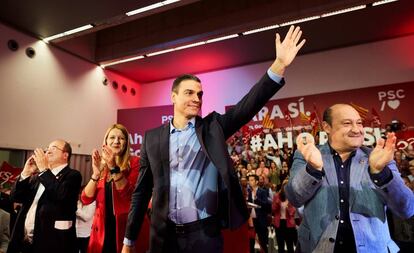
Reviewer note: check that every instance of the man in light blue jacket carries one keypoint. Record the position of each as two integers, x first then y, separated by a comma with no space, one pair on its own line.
346,188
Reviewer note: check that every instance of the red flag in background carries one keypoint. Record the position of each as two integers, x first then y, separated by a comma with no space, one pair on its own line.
314,121
363,112
8,175
288,118
267,123
376,120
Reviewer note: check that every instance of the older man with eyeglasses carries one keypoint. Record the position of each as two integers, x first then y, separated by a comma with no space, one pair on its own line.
48,189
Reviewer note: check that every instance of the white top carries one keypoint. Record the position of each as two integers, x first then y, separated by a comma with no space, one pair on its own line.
84,218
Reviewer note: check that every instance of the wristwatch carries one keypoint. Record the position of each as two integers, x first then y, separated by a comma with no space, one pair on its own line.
115,170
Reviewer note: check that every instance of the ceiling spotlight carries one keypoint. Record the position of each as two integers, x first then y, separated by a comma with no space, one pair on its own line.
12,45
30,52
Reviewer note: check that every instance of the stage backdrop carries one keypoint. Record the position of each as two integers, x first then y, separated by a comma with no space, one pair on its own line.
378,106
139,120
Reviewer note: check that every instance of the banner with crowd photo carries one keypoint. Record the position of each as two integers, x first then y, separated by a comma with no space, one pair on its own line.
8,175
139,120
380,107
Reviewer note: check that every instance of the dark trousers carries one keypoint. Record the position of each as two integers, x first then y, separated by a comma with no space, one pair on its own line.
262,233
82,244
197,237
25,247
285,235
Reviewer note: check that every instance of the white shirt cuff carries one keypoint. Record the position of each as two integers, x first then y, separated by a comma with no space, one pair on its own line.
128,242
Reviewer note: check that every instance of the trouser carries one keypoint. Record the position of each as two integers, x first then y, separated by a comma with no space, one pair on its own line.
262,233
203,236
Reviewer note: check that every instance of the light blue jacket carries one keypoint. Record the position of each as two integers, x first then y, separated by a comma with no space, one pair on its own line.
367,203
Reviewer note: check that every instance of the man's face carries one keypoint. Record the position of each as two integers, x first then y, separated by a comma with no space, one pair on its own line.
346,132
55,154
252,182
188,99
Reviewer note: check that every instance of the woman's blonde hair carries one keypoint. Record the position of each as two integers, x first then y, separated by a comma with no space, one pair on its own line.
123,159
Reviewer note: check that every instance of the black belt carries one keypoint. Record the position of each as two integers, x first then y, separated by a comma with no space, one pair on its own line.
210,222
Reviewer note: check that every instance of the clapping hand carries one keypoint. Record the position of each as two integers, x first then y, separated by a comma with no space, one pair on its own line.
96,163
108,156
311,154
29,167
40,159
382,154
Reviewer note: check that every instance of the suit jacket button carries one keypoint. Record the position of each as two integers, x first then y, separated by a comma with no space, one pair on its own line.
331,240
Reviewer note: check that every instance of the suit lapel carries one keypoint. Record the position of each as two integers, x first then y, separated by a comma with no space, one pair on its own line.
199,134
358,165
329,165
330,172
165,150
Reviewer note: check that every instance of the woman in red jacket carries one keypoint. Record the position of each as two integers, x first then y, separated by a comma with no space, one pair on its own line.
114,175
284,220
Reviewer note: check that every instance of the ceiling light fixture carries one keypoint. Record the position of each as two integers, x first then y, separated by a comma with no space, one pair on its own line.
343,11
383,2
151,7
76,30
297,21
222,38
190,45
355,8
122,61
261,29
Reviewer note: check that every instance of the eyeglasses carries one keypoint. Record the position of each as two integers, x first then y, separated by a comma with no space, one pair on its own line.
54,148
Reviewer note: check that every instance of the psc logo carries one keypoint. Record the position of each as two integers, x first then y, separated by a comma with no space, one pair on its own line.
391,98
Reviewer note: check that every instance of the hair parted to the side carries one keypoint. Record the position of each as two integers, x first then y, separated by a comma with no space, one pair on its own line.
123,159
178,80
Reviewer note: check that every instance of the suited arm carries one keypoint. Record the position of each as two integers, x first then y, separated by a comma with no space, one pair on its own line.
261,198
399,198
302,186
249,105
140,197
20,191
67,190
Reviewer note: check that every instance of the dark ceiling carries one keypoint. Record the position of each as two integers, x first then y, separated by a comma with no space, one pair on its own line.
116,36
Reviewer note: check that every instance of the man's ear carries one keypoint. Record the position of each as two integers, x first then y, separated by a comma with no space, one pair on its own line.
326,127
173,96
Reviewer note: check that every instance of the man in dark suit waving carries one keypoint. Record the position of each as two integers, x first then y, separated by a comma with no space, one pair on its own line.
187,170
48,190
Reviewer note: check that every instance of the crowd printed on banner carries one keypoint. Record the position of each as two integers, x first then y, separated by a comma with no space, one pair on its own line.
259,142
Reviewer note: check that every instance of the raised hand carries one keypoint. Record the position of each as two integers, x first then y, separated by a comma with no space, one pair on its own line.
96,163
29,167
312,155
127,249
40,159
287,49
108,156
382,154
